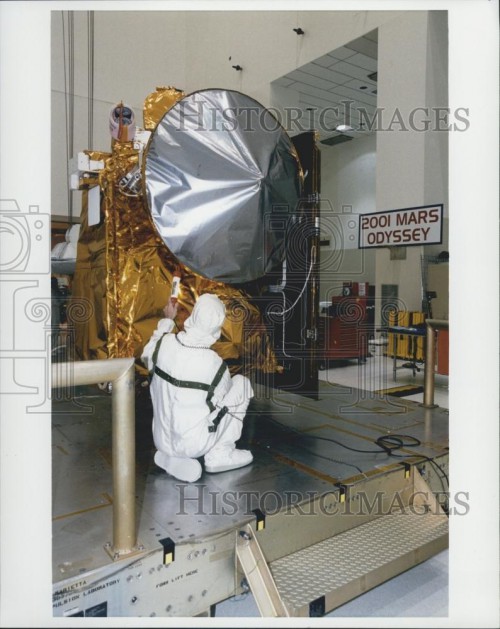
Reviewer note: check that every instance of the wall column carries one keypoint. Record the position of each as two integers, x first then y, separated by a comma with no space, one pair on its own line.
412,167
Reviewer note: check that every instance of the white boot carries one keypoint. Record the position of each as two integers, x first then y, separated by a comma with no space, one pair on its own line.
225,459
188,470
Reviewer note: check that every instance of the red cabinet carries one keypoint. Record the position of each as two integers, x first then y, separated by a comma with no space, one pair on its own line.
443,366
343,333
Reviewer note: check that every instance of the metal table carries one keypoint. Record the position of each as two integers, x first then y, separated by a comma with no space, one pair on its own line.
406,331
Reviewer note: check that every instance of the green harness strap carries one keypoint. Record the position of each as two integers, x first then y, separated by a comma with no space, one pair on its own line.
157,349
188,384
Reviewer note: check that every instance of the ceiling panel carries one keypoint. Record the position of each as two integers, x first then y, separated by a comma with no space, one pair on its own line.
356,84
284,82
364,46
310,100
372,35
355,95
353,71
310,79
325,62
328,97
363,62
341,53
324,85
329,74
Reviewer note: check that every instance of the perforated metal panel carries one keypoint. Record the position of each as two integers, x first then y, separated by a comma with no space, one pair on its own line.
348,558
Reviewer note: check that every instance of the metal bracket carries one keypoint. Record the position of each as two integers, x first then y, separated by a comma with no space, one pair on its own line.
258,575
312,334
116,555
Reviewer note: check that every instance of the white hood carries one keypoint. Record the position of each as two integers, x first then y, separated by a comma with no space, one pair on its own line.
203,326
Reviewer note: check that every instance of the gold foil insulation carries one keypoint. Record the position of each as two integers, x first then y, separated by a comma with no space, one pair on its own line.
159,102
124,271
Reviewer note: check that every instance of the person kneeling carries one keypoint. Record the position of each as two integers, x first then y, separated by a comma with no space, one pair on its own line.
198,408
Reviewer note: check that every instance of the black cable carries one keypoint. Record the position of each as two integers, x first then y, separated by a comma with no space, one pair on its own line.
343,445
387,444
442,472
436,465
321,456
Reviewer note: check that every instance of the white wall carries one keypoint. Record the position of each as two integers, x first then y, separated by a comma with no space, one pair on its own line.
137,51
347,190
436,147
264,44
412,167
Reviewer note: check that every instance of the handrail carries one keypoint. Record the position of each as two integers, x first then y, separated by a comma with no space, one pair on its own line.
121,373
430,358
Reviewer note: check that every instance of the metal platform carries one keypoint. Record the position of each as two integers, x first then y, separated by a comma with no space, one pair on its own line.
327,574
307,487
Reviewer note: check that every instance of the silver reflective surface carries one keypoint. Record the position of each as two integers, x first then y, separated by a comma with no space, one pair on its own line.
221,178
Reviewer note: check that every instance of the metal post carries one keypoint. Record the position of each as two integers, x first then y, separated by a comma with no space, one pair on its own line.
430,358
123,456
121,373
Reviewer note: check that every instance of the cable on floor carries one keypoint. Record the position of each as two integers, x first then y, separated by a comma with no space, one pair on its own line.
387,443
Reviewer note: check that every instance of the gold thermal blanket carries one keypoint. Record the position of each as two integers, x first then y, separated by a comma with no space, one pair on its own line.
124,272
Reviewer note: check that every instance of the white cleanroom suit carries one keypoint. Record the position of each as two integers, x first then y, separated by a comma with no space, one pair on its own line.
198,408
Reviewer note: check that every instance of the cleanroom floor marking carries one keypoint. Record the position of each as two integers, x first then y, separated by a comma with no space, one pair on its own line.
73,513
305,468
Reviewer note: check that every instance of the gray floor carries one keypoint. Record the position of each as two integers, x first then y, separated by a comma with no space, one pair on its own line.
377,373
420,592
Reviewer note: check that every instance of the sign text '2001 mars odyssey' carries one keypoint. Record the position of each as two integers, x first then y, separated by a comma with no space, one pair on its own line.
409,226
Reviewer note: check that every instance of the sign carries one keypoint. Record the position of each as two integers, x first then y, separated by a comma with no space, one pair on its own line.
402,228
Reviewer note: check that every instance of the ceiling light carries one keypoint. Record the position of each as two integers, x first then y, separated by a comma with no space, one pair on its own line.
343,127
